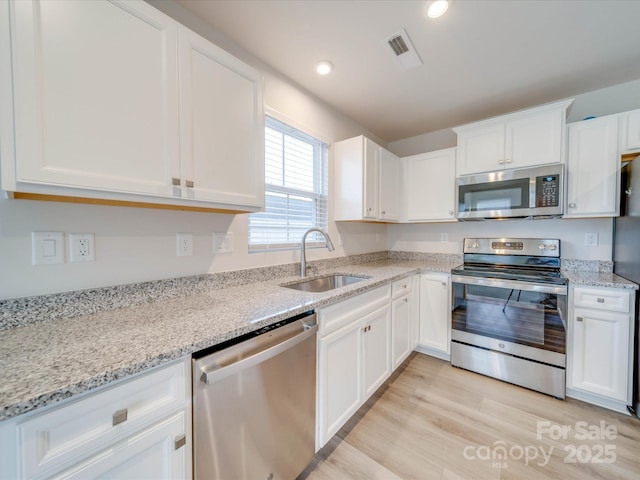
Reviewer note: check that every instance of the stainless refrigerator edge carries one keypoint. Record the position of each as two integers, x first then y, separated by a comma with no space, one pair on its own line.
626,250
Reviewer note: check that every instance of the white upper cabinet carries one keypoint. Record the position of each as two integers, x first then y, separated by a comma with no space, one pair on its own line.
593,168
367,181
389,186
117,101
429,186
527,138
95,96
222,129
630,134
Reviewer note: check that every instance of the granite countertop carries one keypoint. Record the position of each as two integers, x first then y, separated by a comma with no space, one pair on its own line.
49,361
598,279
56,359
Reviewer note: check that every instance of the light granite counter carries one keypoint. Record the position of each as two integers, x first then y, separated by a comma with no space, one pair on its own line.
48,361
598,279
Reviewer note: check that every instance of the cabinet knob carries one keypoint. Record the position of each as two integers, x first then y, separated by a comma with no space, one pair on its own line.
175,181
384,212
369,209
507,160
500,162
120,416
572,205
180,441
450,212
600,300
578,319
444,284
406,300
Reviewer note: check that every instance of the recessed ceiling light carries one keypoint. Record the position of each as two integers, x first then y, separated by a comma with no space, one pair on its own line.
324,67
437,8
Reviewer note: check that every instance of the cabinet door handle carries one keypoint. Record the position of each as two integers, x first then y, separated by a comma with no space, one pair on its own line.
500,162
572,205
507,160
578,319
600,300
450,212
189,183
444,284
180,441
120,416
406,300
175,181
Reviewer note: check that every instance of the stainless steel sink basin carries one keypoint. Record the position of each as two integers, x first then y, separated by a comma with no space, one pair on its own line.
324,284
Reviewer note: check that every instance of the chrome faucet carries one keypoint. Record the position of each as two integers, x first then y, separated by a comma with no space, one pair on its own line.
303,256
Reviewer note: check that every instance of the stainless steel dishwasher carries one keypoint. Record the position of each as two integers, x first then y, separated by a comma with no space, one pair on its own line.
254,404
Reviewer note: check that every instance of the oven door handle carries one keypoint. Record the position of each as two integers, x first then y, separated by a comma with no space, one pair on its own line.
511,284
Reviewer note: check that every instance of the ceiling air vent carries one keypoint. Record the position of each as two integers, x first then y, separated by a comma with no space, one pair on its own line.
403,50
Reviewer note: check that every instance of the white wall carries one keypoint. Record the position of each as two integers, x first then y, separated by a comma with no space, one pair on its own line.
615,99
427,237
135,245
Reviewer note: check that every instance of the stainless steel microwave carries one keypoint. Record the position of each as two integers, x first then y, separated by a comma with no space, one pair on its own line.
521,192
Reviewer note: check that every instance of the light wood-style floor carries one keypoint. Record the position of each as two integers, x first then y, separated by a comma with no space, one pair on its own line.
433,421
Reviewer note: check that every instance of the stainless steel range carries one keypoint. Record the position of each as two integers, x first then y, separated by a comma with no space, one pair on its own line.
509,312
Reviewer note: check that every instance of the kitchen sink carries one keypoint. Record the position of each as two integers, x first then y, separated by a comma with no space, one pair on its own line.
326,283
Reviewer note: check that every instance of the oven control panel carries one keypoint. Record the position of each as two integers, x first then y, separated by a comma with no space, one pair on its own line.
513,246
548,191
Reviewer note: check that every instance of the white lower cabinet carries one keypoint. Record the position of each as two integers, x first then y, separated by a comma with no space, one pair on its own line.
435,315
137,428
600,342
403,320
354,357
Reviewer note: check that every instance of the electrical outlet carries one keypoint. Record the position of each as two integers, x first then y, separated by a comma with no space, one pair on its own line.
223,243
82,247
591,239
184,244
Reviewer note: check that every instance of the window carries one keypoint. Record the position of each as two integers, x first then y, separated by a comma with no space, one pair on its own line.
295,189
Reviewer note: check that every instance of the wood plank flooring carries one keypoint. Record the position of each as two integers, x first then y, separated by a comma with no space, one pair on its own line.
433,421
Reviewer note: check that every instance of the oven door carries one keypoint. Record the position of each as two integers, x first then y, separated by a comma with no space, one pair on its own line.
521,318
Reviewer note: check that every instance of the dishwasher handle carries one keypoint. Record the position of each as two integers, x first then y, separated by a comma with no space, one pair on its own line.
215,372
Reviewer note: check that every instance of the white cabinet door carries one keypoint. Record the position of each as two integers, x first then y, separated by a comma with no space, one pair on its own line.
367,181
481,149
534,139
94,109
376,352
600,353
150,454
401,329
389,186
430,186
222,125
339,378
370,166
592,168
435,314
521,139
630,141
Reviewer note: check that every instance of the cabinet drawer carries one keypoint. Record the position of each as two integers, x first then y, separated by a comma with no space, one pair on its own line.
616,300
336,316
401,287
52,439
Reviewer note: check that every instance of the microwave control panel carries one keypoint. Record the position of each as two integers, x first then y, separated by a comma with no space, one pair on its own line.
548,191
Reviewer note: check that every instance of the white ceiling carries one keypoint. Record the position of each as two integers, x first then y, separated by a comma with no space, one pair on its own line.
483,58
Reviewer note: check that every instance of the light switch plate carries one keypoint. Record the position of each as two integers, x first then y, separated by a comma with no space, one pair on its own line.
47,248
